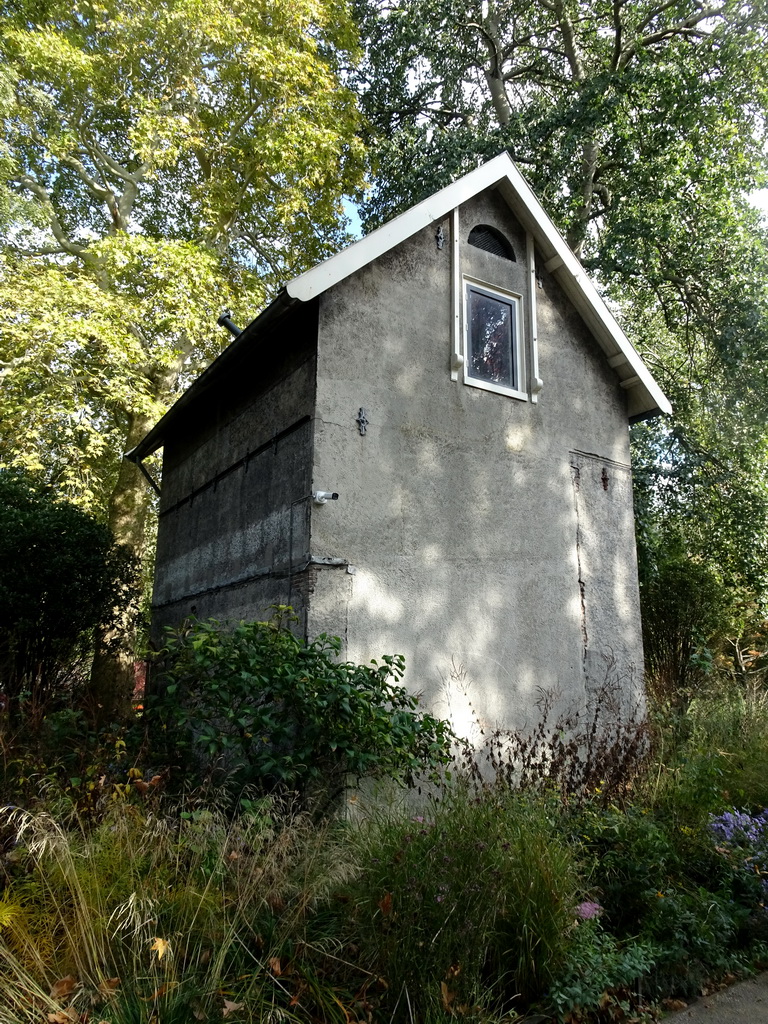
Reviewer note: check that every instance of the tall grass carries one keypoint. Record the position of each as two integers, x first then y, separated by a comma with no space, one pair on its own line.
469,905
710,755
187,917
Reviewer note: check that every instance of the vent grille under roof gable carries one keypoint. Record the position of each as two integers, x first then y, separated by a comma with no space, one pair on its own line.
483,236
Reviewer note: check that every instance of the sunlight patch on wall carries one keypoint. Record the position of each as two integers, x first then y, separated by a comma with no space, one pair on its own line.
371,596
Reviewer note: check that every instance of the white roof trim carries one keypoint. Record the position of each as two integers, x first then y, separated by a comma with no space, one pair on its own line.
644,394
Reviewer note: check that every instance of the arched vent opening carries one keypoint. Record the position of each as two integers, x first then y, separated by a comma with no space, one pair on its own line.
483,236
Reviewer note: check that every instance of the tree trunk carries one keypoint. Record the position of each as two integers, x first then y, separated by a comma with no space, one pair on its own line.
112,677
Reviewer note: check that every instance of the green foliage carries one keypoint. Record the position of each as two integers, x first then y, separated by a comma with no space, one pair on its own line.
60,574
641,127
687,612
664,882
712,753
268,708
469,907
468,904
598,965
156,164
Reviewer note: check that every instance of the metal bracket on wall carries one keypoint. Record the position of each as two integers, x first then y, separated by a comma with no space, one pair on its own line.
362,421
440,237
145,472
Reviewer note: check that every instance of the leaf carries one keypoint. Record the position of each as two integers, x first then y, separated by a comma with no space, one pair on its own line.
158,993
274,966
108,987
446,997
230,1007
63,988
161,947
64,1016
673,1004
385,904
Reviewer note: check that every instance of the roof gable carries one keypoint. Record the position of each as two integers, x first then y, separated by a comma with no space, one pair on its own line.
645,397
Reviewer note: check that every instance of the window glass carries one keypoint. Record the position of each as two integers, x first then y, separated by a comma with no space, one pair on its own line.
491,339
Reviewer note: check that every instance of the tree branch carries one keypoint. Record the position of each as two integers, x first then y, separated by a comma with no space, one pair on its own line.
569,42
493,75
687,27
30,184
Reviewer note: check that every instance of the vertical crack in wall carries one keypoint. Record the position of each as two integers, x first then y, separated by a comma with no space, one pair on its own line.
576,478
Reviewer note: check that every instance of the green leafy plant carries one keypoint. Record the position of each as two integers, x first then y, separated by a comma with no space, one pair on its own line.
258,705
599,971
60,577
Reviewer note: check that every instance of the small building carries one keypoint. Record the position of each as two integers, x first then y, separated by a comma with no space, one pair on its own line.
422,446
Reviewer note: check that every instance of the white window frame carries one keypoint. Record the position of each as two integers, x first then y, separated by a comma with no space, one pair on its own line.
518,348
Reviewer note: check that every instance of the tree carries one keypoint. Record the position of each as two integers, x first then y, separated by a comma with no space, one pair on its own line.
157,163
642,127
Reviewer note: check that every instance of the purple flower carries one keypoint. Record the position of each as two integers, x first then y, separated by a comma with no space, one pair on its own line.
587,910
740,827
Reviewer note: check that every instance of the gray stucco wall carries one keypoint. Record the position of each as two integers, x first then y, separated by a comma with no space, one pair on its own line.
489,539
233,533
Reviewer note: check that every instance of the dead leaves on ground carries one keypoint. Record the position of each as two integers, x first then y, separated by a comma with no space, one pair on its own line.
64,989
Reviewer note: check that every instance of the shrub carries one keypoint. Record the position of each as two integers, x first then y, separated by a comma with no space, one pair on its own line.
60,575
599,974
666,884
687,612
256,705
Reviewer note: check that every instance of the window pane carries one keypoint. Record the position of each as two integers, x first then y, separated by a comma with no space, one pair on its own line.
491,337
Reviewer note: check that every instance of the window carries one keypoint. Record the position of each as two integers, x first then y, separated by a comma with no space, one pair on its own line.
493,355
483,236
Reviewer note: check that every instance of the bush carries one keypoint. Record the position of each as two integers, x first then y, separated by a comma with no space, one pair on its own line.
687,611
256,705
666,884
60,576
600,974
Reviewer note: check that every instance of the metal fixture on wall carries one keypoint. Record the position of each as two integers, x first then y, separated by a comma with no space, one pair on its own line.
362,421
323,497
225,320
440,236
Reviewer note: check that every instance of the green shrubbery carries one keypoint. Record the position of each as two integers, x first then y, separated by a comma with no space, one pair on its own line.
187,867
60,577
254,705
479,904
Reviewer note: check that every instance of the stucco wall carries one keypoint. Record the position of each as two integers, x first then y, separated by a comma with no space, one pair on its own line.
233,533
472,548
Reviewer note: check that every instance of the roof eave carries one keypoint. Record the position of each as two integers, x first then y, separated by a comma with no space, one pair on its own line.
155,439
